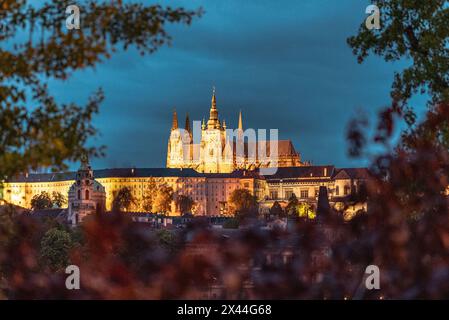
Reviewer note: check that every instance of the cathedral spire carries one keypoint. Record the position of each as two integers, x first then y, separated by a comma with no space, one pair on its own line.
214,99
174,124
187,126
213,122
240,121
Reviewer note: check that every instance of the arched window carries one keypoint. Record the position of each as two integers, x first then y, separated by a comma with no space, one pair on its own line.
79,194
87,194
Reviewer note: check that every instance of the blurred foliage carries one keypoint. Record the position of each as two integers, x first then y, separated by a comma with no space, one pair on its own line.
405,230
35,46
276,210
231,224
413,30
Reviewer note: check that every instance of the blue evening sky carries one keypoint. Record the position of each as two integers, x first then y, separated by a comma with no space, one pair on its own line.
285,64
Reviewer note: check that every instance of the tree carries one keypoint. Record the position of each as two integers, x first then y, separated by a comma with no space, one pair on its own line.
8,215
123,200
407,197
149,195
417,31
305,210
167,240
58,199
231,223
36,47
291,208
242,202
41,201
276,210
185,203
55,248
163,199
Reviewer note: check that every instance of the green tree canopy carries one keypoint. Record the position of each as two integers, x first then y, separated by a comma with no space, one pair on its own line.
416,32
55,248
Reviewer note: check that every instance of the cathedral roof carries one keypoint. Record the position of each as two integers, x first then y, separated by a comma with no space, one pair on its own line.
285,148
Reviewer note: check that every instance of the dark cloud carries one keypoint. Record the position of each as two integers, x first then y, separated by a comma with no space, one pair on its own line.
284,63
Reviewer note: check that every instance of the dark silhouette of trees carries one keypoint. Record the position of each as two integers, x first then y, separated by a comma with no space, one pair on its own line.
123,200
185,203
41,201
276,210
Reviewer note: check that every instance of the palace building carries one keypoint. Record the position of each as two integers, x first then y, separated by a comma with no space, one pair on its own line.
207,171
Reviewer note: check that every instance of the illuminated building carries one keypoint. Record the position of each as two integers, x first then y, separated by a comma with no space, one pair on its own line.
208,172
222,150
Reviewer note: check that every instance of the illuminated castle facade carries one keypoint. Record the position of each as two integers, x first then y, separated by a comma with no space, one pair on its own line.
223,150
208,171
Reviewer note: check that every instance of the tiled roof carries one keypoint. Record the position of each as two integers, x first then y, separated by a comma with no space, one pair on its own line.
302,172
352,173
128,173
290,173
47,213
285,148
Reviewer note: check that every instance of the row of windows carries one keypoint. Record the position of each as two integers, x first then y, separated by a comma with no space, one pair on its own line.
304,194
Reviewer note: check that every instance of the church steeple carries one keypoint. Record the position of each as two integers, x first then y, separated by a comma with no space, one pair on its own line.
240,121
187,126
174,124
213,122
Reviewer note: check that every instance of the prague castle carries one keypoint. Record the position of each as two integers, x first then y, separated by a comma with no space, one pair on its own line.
223,150
207,171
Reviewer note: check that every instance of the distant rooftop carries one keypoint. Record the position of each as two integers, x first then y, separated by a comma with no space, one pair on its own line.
303,172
